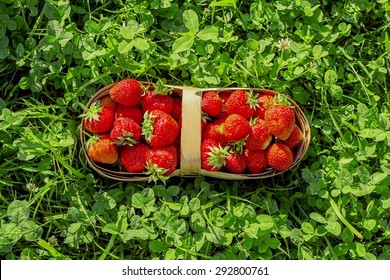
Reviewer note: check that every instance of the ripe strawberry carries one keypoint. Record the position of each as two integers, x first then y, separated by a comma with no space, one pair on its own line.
236,127
224,95
257,160
176,111
159,128
211,103
133,112
161,163
279,156
236,162
295,137
214,130
243,103
153,100
259,135
280,120
125,131
126,92
98,119
133,158
213,156
102,149
265,101
108,102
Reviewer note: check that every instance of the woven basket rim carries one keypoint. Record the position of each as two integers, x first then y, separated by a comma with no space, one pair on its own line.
299,151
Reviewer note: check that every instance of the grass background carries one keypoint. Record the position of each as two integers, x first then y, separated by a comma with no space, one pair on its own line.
55,55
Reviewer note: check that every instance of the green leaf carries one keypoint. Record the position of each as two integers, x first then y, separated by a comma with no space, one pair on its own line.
334,228
194,204
266,222
317,217
183,43
173,190
130,234
191,21
307,228
317,51
31,231
330,77
369,224
18,211
208,33
157,246
141,44
197,222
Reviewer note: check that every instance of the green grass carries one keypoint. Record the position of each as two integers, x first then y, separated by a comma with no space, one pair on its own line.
54,55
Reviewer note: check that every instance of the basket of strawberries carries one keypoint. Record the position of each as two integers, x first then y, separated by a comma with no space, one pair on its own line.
133,131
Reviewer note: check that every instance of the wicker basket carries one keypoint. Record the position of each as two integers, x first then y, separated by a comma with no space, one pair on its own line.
190,162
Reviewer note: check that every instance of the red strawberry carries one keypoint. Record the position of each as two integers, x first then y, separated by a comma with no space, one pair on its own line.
259,135
295,137
224,95
133,112
159,128
257,160
243,103
211,103
265,101
98,119
161,163
236,127
176,111
108,102
133,158
280,120
101,149
213,156
126,92
214,131
157,101
279,156
125,132
236,162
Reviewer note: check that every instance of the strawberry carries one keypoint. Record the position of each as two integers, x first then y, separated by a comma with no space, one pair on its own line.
224,95
133,158
279,156
159,128
176,111
243,103
213,156
280,120
108,102
259,135
265,101
161,163
157,101
126,92
211,103
98,119
102,149
236,162
125,131
295,137
257,160
236,127
133,112
214,130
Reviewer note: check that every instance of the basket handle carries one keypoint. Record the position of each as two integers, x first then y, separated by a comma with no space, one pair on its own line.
190,162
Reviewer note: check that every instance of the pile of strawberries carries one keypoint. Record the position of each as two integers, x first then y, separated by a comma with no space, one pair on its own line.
138,128
245,132
135,127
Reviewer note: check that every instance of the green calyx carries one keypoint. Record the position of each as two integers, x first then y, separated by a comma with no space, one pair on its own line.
217,156
92,113
126,139
253,99
238,146
155,173
282,99
147,126
91,140
160,88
